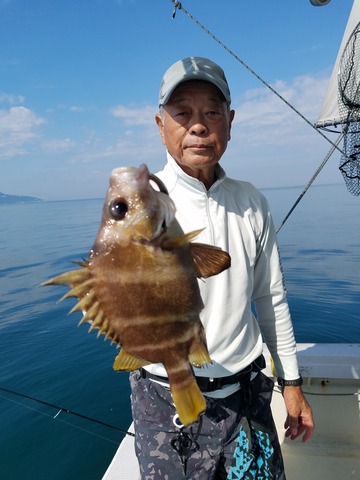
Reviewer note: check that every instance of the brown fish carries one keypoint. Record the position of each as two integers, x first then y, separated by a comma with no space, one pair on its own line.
139,285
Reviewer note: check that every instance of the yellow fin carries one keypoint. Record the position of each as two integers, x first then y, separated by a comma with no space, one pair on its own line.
273,368
70,278
78,291
180,240
126,361
200,356
189,402
209,260
83,304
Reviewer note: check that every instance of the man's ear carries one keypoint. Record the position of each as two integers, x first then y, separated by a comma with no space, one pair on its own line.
159,123
232,115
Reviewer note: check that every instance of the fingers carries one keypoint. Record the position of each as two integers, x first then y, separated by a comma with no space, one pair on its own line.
308,433
300,421
296,428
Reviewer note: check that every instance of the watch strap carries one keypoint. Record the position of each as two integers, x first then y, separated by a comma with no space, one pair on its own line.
290,383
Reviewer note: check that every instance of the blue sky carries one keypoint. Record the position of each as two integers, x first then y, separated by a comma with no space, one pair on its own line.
79,82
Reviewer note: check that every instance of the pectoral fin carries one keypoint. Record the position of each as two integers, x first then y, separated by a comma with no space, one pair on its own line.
209,260
199,355
126,361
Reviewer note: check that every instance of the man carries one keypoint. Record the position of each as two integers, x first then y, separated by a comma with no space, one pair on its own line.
194,123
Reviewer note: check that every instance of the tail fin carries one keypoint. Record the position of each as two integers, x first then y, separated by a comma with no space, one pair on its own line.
189,402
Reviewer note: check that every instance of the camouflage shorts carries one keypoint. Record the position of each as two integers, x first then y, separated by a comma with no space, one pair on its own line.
216,448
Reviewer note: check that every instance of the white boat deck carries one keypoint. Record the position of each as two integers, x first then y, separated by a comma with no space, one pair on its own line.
332,383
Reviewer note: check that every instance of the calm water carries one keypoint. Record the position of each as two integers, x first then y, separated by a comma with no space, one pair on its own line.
43,354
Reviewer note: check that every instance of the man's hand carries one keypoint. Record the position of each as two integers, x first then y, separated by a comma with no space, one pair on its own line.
300,418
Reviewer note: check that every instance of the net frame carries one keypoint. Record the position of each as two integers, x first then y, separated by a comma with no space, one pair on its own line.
349,109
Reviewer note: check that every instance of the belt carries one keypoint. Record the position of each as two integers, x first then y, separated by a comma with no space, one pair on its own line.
210,384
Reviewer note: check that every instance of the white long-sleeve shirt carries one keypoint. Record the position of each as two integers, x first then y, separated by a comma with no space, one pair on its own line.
235,217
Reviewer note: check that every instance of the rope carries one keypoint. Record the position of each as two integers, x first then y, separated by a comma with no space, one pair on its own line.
178,5
334,145
66,410
319,394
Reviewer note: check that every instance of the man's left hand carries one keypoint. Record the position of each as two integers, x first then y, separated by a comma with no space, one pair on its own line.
300,419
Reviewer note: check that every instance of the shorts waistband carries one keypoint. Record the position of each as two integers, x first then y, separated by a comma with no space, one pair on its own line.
210,384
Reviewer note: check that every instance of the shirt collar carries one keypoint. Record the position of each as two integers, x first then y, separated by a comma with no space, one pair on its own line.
179,176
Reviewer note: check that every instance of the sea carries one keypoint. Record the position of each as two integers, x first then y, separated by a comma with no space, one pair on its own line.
70,427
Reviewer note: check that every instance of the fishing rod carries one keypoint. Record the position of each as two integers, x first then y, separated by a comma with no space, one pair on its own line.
66,410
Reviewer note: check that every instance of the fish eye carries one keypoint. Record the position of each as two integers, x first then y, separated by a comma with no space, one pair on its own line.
159,185
118,209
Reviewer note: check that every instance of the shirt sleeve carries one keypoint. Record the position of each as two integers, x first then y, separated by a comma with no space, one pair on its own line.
269,298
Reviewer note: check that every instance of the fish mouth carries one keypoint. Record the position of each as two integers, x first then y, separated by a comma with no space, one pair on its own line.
158,221
155,239
159,234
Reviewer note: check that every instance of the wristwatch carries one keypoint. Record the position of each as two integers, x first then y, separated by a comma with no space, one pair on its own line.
290,383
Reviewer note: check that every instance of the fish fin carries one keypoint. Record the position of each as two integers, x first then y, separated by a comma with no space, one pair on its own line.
200,356
126,361
189,402
84,303
180,240
70,278
208,260
273,368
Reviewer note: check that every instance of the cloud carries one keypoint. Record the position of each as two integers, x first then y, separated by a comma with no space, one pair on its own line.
260,110
57,145
76,108
265,131
270,145
135,116
262,105
125,149
18,127
11,99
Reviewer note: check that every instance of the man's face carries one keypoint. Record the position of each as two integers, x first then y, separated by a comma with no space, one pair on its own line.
195,125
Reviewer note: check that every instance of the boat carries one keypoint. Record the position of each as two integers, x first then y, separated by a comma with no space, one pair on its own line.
331,375
331,372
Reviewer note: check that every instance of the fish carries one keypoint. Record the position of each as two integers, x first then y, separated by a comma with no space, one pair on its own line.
139,288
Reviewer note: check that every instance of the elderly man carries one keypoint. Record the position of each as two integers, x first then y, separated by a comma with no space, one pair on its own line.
236,437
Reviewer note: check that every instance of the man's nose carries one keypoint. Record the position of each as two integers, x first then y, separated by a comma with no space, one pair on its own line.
198,125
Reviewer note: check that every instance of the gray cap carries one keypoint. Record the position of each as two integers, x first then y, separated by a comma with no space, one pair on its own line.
193,68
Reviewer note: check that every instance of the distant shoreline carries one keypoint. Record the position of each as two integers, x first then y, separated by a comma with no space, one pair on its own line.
6,199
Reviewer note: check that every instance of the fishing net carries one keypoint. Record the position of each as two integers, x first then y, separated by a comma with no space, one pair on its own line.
350,160
349,109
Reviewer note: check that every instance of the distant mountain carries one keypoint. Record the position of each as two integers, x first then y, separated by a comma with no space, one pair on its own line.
9,199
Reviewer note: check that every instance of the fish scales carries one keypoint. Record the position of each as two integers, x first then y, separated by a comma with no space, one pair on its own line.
152,283
139,285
